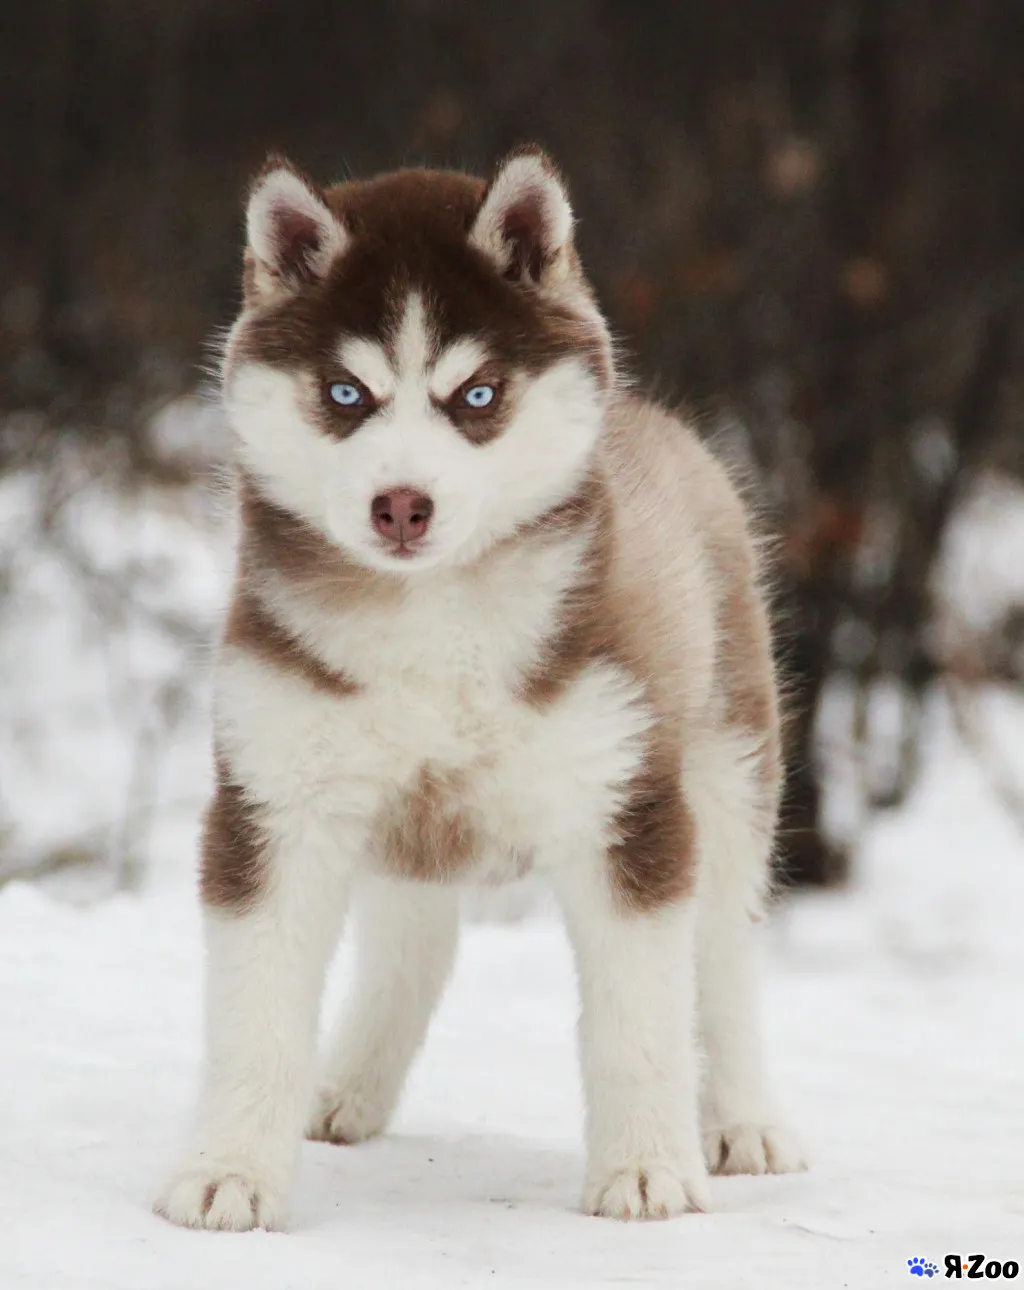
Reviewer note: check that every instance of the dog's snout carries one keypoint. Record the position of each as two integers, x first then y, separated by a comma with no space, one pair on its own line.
401,515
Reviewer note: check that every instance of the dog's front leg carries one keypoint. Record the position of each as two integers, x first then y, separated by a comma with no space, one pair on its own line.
266,963
638,1048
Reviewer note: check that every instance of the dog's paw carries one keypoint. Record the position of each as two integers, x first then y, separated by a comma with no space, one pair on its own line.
344,1116
647,1191
753,1149
220,1199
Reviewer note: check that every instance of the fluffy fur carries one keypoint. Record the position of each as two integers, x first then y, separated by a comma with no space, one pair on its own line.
569,672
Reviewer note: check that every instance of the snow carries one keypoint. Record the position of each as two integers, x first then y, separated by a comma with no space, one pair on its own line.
110,598
980,572
895,1033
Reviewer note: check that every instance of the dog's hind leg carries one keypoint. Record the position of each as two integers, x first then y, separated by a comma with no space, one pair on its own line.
741,1129
407,935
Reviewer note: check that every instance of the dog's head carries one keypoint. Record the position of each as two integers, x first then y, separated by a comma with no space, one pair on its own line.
419,368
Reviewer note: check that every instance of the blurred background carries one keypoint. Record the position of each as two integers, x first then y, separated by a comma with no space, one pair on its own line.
805,219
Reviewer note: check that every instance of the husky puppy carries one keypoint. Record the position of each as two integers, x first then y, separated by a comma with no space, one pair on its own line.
492,615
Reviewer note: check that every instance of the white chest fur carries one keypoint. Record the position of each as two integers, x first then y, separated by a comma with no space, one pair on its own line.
436,696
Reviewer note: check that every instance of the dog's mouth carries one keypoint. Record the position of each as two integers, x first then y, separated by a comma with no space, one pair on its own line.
404,550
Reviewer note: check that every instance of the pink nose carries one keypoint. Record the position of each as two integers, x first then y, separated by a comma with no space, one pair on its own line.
402,515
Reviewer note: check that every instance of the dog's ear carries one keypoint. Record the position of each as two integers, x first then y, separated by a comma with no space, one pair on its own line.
293,236
524,223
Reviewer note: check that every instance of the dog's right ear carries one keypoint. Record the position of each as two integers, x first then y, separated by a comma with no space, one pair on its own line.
524,224
293,236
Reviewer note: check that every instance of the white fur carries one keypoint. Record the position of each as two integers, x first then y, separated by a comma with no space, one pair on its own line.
456,365
412,344
367,362
447,638
533,779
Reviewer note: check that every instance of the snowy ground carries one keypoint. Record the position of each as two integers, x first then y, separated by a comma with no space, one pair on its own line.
895,1031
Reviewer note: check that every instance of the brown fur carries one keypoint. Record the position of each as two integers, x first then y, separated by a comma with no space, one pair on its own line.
750,692
233,866
232,871
426,834
252,628
654,856
275,540
483,424
686,619
278,544
582,632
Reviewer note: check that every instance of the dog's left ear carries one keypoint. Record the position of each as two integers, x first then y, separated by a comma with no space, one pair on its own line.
525,221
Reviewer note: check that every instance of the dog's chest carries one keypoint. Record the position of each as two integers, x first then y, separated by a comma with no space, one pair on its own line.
437,767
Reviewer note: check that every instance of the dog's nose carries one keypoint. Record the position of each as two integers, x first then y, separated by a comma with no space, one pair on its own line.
402,515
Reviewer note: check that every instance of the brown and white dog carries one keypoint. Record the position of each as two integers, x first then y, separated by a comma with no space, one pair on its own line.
491,615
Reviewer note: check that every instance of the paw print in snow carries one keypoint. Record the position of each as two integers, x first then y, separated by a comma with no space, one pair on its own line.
921,1268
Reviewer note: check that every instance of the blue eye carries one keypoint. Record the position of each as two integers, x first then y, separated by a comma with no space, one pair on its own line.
345,395
479,396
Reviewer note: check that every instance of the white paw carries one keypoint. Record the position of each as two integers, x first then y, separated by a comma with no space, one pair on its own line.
345,1116
753,1149
220,1199
647,1191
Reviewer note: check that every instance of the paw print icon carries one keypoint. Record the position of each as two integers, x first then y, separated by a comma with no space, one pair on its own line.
921,1268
